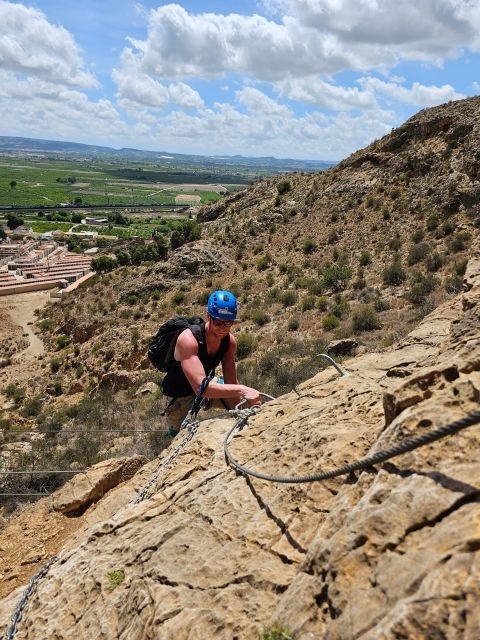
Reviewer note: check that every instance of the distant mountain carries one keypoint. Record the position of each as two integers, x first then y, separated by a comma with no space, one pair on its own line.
33,145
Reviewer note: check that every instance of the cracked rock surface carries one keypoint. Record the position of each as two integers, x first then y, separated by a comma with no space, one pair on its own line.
390,553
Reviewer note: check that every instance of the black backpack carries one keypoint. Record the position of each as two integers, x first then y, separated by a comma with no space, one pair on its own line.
162,347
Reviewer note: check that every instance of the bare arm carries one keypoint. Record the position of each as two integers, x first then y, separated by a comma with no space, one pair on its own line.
186,352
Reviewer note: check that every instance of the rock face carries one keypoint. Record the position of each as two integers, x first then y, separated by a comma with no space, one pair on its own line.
84,489
392,552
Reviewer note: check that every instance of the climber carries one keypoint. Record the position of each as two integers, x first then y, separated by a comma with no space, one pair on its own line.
196,354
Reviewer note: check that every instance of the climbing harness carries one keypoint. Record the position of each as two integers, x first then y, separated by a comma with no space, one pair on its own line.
27,594
190,423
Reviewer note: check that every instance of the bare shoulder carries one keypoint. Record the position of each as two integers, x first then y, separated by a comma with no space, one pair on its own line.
186,346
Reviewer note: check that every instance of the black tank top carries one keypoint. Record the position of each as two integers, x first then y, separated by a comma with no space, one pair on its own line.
175,383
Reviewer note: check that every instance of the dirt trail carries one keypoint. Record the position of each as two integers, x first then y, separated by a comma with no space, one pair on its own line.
19,311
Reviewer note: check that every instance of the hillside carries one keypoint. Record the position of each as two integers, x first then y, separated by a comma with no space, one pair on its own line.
391,552
363,250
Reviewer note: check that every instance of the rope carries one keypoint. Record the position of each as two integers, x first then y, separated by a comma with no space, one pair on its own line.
408,445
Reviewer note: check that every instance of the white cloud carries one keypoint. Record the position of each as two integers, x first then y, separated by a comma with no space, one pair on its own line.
282,134
418,95
327,95
30,45
258,103
313,37
35,107
476,86
425,30
180,93
136,88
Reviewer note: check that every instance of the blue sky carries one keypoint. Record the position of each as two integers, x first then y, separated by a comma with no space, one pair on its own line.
291,78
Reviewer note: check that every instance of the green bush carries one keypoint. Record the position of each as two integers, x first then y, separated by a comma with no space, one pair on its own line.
417,236
454,284
288,298
63,341
284,187
277,632
359,283
54,365
381,305
460,267
258,316
365,258
447,228
308,303
432,222
433,262
341,308
178,297
394,273
203,297
336,276
418,253
32,407
293,324
421,287
365,319
246,344
309,246
332,237
263,262
458,242
323,303
395,244
14,392
330,322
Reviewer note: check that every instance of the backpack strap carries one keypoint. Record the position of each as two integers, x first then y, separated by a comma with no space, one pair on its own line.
197,327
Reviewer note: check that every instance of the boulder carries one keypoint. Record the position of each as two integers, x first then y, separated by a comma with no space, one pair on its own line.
116,380
341,347
85,488
148,387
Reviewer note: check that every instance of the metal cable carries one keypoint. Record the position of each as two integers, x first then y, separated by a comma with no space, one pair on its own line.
27,594
24,495
408,445
62,431
9,473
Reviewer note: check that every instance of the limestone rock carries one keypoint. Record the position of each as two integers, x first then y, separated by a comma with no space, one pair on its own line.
85,488
147,388
341,347
118,379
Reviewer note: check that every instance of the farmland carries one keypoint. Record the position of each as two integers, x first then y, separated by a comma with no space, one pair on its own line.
51,182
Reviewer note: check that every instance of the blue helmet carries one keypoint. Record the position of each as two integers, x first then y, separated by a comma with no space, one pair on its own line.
222,305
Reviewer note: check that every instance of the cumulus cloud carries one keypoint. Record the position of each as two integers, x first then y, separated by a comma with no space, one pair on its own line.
30,45
417,95
427,30
282,134
257,102
325,94
136,88
312,37
35,107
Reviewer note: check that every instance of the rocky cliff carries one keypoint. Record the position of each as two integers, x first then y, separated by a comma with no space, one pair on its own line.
392,552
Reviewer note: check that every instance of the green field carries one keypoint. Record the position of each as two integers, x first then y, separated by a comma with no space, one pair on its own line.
52,182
